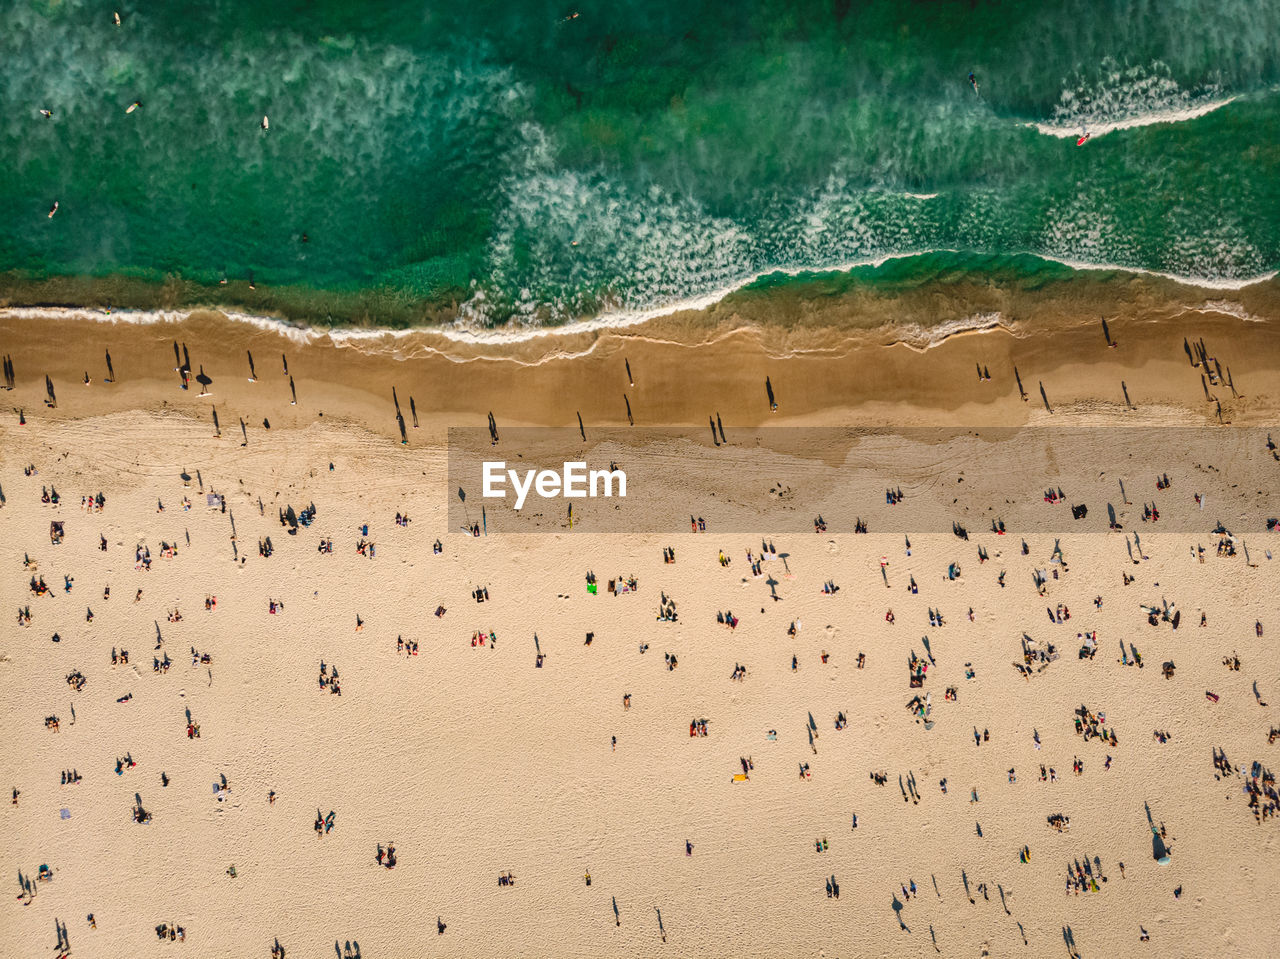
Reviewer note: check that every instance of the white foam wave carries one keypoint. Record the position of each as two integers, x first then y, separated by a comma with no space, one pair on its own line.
1097,129
922,338
461,333
295,332
1227,308
624,318
1217,283
1119,98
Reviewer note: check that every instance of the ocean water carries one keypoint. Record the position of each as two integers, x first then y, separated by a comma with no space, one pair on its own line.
536,162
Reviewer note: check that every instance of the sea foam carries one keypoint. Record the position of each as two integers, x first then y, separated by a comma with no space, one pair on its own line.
464,332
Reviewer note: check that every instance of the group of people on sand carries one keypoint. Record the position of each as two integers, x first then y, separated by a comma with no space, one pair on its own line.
727,619
171,932
1259,786
667,610
1091,726
329,679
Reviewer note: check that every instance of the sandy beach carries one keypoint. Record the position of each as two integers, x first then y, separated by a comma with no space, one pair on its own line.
874,816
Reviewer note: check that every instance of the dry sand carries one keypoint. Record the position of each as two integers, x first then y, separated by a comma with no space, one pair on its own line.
474,762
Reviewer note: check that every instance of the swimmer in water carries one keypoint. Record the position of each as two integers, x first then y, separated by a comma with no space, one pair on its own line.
133,106
53,209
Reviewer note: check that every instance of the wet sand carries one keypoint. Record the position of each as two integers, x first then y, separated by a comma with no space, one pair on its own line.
830,363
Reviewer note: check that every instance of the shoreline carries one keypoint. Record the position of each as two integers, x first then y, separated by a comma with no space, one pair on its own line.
834,360
303,308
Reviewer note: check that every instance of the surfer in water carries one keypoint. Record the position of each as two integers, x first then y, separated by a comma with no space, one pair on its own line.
133,106
1084,135
53,209
266,124
973,82
47,114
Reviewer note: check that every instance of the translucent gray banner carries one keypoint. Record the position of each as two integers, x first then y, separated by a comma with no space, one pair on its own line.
838,480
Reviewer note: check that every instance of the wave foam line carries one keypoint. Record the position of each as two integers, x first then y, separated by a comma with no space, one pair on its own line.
622,319
1226,308
299,333
922,338
303,334
1065,131
625,318
1221,283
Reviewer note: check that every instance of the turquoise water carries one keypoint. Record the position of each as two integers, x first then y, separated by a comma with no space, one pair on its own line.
516,161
